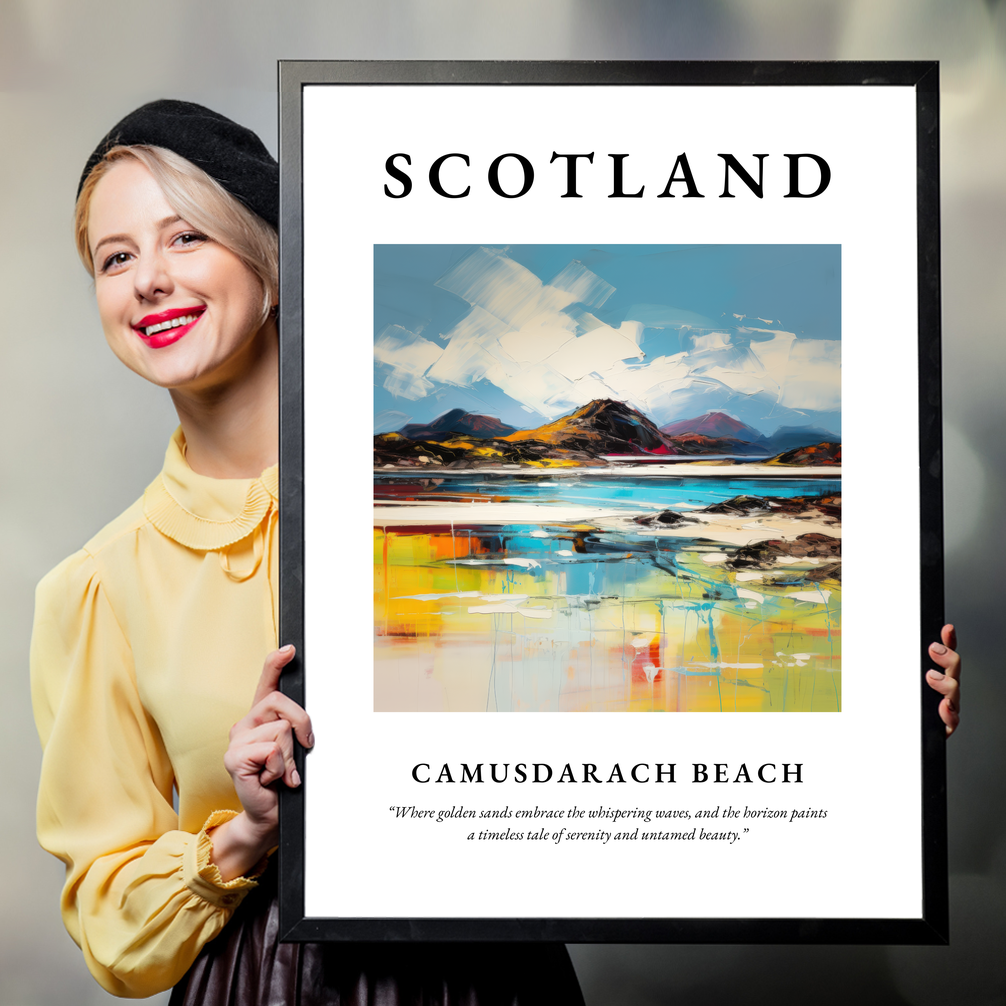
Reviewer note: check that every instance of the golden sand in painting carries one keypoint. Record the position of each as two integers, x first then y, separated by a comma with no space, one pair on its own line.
560,618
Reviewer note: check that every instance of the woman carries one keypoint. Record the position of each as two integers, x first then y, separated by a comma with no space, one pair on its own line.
148,643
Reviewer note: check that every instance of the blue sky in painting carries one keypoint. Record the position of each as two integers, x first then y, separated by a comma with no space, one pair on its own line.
530,332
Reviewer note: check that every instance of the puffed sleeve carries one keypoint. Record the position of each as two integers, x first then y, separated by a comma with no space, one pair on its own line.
141,898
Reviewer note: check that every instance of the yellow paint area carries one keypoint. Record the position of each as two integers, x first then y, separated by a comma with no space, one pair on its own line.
458,628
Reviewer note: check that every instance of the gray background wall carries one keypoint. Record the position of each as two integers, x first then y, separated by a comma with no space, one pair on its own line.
81,436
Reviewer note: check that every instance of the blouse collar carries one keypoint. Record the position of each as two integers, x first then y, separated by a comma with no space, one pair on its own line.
204,513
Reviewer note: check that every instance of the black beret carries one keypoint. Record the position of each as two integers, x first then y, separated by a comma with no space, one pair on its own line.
230,154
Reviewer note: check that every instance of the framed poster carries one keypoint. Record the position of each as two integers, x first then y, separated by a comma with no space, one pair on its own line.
570,356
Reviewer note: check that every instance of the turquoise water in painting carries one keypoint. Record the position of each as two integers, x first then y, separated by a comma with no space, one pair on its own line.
654,492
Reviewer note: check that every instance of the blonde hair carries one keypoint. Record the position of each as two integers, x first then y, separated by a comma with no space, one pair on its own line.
199,200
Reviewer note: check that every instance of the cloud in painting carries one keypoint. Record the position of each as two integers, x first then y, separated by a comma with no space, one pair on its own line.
409,355
543,345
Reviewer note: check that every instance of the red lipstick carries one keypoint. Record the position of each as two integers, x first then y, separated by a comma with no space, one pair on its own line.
166,327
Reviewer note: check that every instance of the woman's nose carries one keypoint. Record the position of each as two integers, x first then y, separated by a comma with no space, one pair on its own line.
152,277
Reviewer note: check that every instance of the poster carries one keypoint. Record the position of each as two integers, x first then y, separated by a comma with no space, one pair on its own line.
583,351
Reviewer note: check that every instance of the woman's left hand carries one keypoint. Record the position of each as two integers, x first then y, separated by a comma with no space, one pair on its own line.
260,754
948,681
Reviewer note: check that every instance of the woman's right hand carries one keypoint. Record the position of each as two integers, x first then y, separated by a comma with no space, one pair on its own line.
260,753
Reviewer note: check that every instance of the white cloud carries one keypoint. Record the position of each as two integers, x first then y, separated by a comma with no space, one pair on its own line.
813,380
503,287
410,356
599,351
539,343
712,341
578,281
538,339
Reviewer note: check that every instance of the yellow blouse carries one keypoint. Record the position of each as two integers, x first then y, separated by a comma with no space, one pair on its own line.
147,647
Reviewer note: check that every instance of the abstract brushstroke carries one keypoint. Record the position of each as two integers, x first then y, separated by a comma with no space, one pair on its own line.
734,605
602,503
483,325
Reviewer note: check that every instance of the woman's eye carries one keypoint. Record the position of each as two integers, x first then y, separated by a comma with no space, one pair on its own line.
190,238
114,261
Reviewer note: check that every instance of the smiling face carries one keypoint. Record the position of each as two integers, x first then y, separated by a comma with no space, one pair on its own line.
177,307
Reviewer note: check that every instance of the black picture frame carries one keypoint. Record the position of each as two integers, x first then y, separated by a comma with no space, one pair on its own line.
932,925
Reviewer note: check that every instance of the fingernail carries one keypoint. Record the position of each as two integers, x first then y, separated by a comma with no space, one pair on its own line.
310,740
938,648
295,777
936,675
287,649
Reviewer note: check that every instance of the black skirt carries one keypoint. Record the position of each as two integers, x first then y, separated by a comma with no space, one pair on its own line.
246,965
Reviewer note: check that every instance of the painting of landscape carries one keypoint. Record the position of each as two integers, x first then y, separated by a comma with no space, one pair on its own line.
607,478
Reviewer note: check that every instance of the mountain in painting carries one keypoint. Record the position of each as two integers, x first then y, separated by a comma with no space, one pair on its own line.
718,433
394,450
601,427
788,438
825,453
457,423
714,433
583,437
696,443
716,425
591,435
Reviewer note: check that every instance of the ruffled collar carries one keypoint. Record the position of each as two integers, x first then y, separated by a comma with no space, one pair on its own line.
203,513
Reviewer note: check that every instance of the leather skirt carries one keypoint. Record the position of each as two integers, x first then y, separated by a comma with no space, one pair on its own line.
246,965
